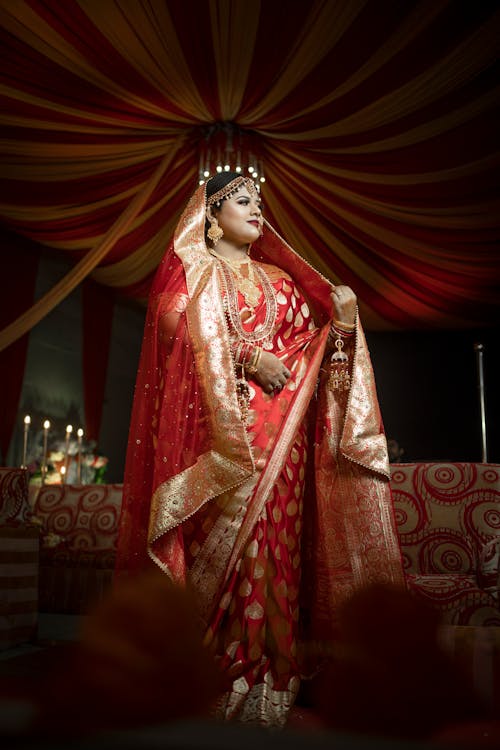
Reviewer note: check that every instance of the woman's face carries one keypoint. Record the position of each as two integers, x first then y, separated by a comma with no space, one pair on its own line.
240,218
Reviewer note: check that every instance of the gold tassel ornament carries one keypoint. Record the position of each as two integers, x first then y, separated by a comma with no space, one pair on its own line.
339,378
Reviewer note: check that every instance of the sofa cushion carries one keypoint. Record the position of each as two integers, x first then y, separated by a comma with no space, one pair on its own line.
79,532
446,513
458,597
79,523
488,572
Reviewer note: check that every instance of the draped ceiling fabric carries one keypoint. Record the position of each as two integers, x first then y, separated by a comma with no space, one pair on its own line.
376,121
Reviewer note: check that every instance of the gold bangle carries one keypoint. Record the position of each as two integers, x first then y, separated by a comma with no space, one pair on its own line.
253,363
257,358
348,327
336,332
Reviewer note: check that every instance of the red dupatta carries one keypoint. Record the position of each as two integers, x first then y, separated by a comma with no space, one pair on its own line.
187,442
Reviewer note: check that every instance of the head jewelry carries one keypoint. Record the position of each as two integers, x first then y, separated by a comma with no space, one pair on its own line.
232,187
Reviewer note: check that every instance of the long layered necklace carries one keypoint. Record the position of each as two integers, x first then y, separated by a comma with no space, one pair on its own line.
234,281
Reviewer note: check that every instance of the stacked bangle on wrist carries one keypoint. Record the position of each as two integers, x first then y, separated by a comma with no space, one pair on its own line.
253,365
334,334
344,329
247,357
340,331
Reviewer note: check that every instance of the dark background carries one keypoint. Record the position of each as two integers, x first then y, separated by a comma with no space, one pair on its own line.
428,389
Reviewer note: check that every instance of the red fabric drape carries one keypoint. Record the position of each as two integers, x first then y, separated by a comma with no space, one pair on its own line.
98,305
375,122
19,266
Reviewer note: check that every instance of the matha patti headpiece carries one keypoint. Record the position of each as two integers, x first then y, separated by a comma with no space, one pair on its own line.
232,187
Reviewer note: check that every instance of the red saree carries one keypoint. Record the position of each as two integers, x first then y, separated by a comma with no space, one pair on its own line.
230,508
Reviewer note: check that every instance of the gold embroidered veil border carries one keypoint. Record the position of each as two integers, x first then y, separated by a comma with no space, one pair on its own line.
353,527
351,456
229,462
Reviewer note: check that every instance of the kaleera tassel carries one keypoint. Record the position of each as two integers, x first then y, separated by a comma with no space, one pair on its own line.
243,394
339,378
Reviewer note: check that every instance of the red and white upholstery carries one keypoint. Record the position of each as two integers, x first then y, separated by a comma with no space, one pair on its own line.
80,527
447,514
448,520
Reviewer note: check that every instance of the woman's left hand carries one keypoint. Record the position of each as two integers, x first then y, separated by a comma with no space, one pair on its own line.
271,374
344,301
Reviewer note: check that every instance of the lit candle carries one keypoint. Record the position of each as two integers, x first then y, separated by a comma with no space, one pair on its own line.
62,472
46,427
79,468
27,422
69,430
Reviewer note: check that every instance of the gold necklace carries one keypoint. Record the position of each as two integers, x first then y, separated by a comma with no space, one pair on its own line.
262,334
245,284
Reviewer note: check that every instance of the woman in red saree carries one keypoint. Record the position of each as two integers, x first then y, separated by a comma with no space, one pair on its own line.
257,469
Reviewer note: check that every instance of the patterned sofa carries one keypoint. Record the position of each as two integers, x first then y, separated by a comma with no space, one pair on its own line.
79,530
448,519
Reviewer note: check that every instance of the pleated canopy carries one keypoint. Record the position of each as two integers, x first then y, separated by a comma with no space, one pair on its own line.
375,123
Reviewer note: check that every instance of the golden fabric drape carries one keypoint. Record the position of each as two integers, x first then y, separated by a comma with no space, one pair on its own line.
47,303
375,123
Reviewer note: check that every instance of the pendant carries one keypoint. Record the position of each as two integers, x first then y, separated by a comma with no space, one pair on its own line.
250,291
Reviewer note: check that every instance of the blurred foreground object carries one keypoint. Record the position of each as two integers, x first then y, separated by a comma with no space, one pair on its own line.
388,675
140,662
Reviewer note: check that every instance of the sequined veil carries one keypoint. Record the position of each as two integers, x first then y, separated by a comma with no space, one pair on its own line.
203,491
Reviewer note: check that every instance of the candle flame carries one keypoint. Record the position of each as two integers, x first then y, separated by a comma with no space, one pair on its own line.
62,470
46,424
80,432
69,428
27,419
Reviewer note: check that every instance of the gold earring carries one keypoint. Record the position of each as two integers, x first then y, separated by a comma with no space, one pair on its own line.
215,233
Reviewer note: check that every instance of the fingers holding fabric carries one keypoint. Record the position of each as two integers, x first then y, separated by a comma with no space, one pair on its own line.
344,301
272,374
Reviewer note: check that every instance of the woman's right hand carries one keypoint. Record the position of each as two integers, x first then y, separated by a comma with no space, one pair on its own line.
271,374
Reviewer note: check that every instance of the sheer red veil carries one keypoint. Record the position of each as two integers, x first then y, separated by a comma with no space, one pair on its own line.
187,443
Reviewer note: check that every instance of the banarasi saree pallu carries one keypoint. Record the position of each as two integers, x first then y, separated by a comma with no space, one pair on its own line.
272,521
